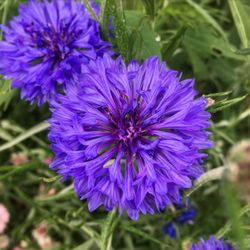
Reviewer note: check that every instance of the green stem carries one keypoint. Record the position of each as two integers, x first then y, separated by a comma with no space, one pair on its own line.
4,16
108,229
91,11
25,135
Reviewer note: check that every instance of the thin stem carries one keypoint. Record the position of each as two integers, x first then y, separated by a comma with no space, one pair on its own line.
107,230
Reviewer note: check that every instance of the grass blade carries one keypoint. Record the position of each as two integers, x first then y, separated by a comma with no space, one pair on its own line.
107,231
36,129
207,17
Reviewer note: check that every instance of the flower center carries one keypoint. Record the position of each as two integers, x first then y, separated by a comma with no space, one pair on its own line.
129,134
55,44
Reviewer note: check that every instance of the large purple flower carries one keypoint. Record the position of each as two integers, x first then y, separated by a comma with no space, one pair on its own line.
46,45
212,244
130,136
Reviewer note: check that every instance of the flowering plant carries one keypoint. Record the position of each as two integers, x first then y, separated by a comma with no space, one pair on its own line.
127,133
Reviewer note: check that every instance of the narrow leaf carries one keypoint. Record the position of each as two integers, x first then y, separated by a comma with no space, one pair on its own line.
218,106
207,17
86,245
90,9
52,179
107,230
144,235
149,7
211,175
114,9
241,20
218,94
36,129
20,169
245,51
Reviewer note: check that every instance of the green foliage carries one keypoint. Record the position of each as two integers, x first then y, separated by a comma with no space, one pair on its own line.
113,9
143,42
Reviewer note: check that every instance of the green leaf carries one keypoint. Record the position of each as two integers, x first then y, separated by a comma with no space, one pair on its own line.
4,15
90,9
20,169
146,236
135,45
6,94
205,41
66,192
52,179
18,129
219,94
240,11
150,7
28,133
173,43
209,54
234,213
104,19
114,9
139,23
245,51
107,230
211,175
226,228
207,17
5,135
220,105
86,245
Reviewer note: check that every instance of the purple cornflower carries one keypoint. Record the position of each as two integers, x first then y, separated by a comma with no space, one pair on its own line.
212,244
187,216
170,230
130,136
46,45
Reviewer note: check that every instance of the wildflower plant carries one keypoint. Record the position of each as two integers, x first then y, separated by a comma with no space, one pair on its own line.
46,45
125,139
130,136
212,243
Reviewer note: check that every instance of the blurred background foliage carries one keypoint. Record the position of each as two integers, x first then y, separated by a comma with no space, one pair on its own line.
208,40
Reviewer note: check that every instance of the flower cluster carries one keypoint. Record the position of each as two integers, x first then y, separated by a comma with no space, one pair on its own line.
130,136
46,46
213,244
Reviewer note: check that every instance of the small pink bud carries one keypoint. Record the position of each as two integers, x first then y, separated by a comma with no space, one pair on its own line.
48,160
18,158
210,101
51,192
4,218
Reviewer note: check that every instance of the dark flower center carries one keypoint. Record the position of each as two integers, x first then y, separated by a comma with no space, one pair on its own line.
55,44
127,130
129,133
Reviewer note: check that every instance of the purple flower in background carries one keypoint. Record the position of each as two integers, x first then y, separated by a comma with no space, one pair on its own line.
187,216
46,45
170,230
212,244
130,136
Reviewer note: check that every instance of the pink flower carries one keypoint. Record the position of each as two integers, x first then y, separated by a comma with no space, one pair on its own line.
42,238
51,192
48,160
18,158
210,102
4,217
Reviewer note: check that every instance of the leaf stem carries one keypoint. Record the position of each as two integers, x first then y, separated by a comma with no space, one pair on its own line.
107,230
